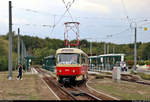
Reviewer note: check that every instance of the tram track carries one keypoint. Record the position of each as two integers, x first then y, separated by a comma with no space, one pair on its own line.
82,92
51,82
70,92
129,78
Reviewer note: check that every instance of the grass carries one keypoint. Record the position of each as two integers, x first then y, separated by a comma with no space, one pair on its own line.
31,97
132,72
99,76
142,75
108,73
122,90
30,88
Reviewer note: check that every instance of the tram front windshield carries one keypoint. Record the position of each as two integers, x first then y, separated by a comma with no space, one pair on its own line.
68,58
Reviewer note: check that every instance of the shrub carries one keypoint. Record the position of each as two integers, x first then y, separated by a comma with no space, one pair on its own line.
130,63
144,76
141,62
132,72
147,62
3,63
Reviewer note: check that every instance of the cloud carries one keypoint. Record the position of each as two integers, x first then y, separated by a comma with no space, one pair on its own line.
91,6
135,8
3,20
95,13
20,21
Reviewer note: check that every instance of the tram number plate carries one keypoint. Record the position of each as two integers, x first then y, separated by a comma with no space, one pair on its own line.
67,70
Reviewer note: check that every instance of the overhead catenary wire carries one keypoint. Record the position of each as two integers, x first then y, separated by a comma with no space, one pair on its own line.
57,15
121,32
34,11
125,11
108,35
35,25
68,6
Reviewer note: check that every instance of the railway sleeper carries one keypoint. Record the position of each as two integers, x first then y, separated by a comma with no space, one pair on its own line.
77,93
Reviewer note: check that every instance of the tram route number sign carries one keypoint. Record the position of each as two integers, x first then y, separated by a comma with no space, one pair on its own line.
67,50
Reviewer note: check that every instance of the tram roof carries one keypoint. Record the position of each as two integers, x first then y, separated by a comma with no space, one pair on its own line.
70,50
49,57
92,56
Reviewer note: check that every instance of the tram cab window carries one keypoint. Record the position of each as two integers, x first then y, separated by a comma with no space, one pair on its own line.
68,58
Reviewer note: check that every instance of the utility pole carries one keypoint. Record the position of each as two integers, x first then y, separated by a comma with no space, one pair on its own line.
10,41
108,48
113,49
18,45
91,48
104,48
135,48
22,52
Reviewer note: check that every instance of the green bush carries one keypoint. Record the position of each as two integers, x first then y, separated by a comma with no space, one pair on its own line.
3,63
144,76
147,62
141,62
132,72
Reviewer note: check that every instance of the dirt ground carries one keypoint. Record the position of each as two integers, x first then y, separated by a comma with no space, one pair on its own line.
122,90
30,88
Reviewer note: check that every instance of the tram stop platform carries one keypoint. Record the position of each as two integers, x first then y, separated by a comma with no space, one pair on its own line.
97,72
31,87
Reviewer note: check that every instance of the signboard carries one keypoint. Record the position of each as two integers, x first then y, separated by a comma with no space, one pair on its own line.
145,28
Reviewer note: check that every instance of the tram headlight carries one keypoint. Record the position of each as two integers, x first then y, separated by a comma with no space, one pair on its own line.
60,71
73,71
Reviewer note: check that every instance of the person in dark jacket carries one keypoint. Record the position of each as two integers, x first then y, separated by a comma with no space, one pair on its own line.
20,68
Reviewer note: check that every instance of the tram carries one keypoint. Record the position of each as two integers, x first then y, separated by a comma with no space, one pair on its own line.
71,65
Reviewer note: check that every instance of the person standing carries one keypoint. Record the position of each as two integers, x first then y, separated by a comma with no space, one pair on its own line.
20,68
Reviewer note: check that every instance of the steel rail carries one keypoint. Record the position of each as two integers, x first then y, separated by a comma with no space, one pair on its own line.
57,84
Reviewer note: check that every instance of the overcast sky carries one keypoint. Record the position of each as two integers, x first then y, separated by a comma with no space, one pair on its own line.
98,18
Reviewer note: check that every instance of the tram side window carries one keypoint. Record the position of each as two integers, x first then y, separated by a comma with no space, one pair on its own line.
83,59
86,60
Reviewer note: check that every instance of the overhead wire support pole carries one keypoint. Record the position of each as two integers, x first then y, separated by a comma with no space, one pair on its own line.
108,48
135,50
18,46
135,41
22,52
91,48
104,47
10,41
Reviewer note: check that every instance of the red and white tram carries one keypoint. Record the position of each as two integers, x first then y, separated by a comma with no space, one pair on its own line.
71,65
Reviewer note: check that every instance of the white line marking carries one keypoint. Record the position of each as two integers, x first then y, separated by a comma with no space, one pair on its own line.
48,87
51,90
34,71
